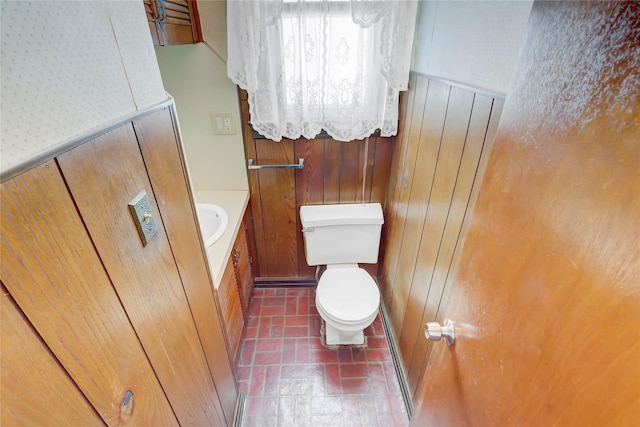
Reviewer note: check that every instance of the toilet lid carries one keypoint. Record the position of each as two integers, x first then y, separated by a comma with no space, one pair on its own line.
348,294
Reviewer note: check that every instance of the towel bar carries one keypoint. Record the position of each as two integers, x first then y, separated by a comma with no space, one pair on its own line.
299,165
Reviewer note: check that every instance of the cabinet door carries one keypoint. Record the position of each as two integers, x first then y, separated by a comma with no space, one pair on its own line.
229,298
173,22
242,262
151,12
52,270
103,176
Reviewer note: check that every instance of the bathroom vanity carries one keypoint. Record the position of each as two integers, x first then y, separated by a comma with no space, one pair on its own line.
231,264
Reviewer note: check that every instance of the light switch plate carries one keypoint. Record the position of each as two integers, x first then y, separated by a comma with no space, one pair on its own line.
223,124
143,217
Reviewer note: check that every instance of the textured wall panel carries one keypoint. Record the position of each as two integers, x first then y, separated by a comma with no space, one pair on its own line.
136,49
472,42
68,67
213,20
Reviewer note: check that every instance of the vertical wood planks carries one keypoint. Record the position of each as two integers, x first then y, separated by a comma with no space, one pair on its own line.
427,158
380,169
163,160
35,389
254,189
458,200
420,362
333,173
349,170
394,244
387,269
430,188
439,201
278,205
365,169
377,178
332,169
103,175
51,268
309,190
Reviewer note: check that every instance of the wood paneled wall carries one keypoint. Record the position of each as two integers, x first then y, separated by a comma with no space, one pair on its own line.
56,277
164,161
333,173
445,135
28,364
130,330
146,278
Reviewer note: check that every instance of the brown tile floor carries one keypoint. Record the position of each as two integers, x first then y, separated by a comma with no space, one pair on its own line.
290,379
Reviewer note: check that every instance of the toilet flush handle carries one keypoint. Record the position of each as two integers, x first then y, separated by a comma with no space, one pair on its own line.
307,229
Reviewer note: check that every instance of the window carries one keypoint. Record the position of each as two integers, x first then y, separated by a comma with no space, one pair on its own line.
313,65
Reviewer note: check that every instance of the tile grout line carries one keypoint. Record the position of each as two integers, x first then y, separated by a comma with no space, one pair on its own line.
365,398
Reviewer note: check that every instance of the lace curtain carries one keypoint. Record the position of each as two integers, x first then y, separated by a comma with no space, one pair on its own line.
309,65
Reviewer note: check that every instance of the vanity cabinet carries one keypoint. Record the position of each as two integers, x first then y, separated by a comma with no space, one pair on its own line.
236,287
229,299
243,262
173,22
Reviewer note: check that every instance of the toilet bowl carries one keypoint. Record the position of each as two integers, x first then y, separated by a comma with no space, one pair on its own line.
341,236
346,310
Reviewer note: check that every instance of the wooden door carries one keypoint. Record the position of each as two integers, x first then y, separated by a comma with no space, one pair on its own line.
173,22
546,300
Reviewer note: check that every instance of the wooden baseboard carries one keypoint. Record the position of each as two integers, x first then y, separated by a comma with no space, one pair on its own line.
240,406
395,356
284,282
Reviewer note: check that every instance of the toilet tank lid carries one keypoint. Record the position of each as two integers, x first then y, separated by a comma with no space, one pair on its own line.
343,214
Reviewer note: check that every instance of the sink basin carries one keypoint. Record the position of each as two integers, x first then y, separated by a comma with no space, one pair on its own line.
213,222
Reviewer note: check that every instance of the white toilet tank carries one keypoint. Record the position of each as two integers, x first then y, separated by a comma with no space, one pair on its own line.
341,234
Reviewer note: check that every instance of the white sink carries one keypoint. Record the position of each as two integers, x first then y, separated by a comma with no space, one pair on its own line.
213,222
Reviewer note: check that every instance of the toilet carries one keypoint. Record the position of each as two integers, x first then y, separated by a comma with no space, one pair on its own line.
340,237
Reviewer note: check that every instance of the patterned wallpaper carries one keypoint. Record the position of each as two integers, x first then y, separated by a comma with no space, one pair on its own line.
69,67
471,42
213,20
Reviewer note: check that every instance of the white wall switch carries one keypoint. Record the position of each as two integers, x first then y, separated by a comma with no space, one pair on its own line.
223,124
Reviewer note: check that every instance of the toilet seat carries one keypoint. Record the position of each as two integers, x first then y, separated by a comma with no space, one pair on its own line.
348,296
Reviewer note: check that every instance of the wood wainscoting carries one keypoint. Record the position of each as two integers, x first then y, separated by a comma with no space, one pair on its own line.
130,332
332,173
445,136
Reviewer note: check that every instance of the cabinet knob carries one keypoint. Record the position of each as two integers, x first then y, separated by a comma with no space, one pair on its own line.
236,256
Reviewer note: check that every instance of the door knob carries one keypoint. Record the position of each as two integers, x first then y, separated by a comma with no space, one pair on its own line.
434,331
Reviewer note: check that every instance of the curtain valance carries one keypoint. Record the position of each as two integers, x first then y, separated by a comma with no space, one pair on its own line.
309,65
